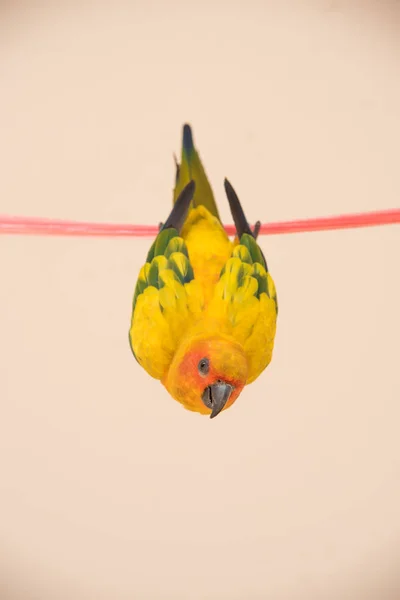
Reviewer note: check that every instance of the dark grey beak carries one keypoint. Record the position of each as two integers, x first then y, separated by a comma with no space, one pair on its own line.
215,396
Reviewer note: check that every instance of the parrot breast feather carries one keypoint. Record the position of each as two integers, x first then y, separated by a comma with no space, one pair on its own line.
167,300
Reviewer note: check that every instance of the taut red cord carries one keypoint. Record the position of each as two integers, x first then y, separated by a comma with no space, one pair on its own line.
41,226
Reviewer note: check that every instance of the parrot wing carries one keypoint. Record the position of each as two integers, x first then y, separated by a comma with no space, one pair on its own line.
250,291
167,298
246,297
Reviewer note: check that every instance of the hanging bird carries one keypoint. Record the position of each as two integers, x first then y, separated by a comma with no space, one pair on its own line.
204,308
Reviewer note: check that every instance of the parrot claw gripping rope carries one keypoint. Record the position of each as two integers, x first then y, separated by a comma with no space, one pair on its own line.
205,307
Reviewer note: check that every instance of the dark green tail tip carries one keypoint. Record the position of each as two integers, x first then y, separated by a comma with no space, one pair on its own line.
187,142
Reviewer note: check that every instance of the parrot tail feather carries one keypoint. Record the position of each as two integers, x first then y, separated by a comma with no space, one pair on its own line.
187,139
191,168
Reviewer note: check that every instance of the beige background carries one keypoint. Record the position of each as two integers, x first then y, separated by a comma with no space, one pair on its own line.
109,490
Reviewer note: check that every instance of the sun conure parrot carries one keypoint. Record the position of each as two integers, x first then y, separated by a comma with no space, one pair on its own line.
205,308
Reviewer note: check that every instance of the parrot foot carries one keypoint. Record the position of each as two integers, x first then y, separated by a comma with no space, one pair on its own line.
177,166
256,229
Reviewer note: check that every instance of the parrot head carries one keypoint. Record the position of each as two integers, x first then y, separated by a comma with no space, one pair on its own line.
207,374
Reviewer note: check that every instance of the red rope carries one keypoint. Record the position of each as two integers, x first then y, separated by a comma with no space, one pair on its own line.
40,226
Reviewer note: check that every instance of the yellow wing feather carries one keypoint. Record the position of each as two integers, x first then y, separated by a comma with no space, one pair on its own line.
167,302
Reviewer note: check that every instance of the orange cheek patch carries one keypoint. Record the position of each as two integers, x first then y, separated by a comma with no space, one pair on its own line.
187,364
188,371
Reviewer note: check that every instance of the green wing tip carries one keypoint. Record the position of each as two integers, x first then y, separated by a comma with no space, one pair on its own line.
187,141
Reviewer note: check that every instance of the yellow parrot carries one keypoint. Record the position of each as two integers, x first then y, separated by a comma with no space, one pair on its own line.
204,308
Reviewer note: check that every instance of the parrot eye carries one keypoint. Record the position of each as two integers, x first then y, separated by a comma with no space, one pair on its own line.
204,366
